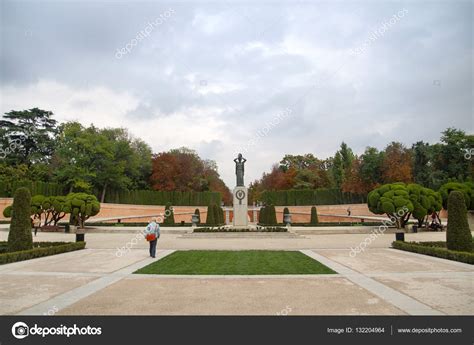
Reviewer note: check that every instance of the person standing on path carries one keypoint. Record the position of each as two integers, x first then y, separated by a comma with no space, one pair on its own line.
152,234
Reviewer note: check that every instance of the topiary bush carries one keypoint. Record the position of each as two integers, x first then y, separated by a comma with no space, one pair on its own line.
198,213
169,214
285,212
314,216
7,212
217,215
425,202
466,188
271,218
261,215
393,200
19,236
458,234
210,215
82,206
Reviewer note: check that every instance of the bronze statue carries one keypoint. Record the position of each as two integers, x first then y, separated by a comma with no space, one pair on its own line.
239,169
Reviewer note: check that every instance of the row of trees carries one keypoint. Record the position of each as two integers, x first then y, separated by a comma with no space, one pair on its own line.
94,160
430,165
52,209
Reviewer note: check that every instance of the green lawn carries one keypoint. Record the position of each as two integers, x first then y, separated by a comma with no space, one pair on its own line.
245,262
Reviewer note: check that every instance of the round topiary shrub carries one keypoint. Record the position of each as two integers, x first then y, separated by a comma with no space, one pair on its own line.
314,216
19,237
458,235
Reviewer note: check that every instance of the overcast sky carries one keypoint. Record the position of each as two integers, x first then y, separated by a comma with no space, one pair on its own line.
212,75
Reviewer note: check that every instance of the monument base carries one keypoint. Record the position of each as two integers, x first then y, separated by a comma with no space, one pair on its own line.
240,218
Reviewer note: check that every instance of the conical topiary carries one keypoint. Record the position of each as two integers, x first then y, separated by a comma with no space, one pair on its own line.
314,216
210,215
198,213
169,214
19,236
271,216
261,215
458,235
285,212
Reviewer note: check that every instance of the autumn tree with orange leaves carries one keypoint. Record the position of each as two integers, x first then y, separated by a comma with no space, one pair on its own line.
183,170
397,164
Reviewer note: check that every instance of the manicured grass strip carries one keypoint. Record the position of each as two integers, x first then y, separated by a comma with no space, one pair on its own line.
245,262
434,249
38,252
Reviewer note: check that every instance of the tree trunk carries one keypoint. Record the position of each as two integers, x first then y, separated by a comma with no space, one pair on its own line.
102,199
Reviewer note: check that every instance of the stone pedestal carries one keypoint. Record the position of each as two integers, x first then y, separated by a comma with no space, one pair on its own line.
227,216
240,206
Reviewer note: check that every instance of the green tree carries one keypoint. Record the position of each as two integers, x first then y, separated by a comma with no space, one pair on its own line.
458,234
422,164
19,236
314,216
450,160
341,164
30,134
393,200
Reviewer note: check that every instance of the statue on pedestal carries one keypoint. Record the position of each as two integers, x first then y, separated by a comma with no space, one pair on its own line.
239,169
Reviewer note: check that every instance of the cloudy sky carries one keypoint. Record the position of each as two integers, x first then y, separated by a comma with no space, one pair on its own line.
267,78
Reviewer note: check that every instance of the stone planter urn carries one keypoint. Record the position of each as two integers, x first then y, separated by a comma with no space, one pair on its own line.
287,219
194,219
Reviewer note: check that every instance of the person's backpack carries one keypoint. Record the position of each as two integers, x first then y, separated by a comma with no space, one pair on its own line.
150,233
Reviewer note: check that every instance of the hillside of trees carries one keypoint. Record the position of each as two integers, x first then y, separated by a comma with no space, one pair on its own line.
104,161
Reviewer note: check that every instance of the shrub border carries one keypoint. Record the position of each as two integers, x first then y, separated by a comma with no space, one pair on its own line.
34,253
428,249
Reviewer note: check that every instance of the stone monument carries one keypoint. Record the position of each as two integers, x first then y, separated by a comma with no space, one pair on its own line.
240,194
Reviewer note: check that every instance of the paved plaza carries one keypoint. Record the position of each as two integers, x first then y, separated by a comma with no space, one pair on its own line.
99,280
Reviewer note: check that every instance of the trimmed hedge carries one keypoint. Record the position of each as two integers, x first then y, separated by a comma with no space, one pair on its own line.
40,251
36,187
306,197
153,197
431,249
137,197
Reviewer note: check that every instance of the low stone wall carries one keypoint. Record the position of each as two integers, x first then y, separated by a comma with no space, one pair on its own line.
300,214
